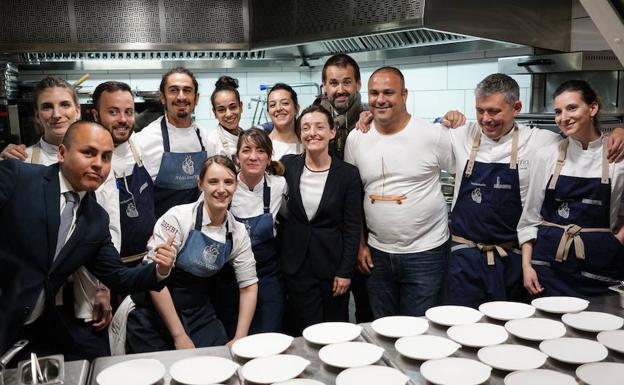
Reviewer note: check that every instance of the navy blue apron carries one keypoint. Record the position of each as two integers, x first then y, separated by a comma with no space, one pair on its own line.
575,247
484,263
189,285
271,296
136,210
178,173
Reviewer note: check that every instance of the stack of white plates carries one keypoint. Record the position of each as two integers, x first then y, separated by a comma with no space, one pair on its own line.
574,350
400,326
451,315
560,305
478,335
326,333
593,321
452,371
261,345
202,370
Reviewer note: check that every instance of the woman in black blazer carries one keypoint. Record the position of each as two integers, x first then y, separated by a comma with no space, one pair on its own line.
319,235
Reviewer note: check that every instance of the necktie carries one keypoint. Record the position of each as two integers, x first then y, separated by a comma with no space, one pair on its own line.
67,216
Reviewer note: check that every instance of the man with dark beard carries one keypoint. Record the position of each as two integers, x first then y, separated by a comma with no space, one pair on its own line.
114,109
173,147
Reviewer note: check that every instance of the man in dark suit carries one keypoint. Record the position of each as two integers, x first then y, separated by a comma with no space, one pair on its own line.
51,226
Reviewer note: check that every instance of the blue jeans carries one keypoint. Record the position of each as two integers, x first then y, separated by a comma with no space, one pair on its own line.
407,284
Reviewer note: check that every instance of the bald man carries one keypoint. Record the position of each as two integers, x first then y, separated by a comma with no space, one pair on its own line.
52,226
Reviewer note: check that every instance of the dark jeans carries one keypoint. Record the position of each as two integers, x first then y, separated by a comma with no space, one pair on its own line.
407,284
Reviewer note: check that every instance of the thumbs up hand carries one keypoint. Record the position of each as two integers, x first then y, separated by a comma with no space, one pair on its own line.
165,257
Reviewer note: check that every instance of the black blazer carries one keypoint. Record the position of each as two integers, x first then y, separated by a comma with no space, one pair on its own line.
331,239
29,224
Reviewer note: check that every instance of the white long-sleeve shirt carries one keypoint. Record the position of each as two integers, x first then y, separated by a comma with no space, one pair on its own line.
150,142
530,141
222,141
179,220
578,163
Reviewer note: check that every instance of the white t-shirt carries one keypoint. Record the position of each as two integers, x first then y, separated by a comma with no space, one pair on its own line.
150,143
123,160
282,148
248,203
578,163
412,160
222,141
529,142
311,186
180,220
106,195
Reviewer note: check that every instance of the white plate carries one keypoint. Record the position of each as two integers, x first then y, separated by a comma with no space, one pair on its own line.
326,333
539,377
350,354
426,347
593,321
505,311
613,339
560,305
601,373
453,370
267,370
574,350
512,357
450,315
143,371
202,370
371,375
536,329
261,345
478,335
400,326
300,381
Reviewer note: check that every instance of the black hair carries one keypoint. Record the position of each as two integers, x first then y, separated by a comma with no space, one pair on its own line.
341,60
178,70
225,83
262,140
110,86
587,92
310,109
287,88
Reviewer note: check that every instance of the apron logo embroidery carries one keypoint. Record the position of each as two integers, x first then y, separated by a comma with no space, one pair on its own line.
143,187
593,202
131,210
210,253
564,210
501,186
476,195
523,164
188,166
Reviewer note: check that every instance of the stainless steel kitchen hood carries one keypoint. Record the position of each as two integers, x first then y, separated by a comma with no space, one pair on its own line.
562,62
227,31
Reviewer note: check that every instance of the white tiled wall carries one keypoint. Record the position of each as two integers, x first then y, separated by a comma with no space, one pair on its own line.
435,83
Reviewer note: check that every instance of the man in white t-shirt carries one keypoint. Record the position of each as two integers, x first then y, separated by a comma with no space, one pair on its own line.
173,148
400,160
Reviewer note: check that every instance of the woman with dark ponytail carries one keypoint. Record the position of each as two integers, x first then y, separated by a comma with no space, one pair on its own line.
227,108
260,193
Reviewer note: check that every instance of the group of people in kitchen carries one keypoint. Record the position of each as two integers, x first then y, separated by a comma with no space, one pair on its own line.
200,237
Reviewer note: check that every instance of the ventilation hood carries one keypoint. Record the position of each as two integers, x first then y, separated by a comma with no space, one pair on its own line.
109,34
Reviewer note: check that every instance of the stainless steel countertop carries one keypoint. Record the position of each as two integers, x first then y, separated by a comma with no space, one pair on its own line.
76,373
411,367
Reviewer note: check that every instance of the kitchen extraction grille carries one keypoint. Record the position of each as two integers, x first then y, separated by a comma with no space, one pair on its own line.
40,57
47,22
193,21
117,21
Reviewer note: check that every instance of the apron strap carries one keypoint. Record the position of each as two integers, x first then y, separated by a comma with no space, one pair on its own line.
36,154
572,235
199,216
224,142
165,135
266,196
135,153
489,249
513,162
563,149
605,162
473,153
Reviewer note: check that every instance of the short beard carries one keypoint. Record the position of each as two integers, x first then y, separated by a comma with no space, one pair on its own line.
343,109
182,115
